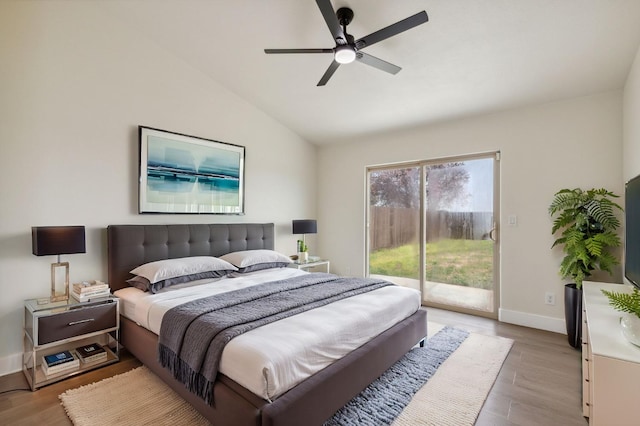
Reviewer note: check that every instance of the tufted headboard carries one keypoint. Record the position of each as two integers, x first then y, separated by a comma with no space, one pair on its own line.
134,245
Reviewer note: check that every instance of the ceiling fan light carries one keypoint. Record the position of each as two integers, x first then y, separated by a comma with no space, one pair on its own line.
345,54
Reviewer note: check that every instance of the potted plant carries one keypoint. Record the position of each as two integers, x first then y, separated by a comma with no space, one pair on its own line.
303,256
628,303
587,223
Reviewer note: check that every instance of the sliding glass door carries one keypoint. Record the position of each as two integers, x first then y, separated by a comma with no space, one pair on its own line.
431,226
394,224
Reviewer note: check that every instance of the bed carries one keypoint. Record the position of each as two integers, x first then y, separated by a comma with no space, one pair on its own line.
311,401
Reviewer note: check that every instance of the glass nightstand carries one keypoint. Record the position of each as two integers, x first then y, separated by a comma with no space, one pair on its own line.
53,327
316,265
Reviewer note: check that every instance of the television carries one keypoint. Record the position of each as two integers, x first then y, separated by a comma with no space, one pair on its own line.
632,231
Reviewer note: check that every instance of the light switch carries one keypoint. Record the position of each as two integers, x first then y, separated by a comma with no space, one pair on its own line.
513,220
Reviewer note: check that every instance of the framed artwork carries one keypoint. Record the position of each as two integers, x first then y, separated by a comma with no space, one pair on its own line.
188,174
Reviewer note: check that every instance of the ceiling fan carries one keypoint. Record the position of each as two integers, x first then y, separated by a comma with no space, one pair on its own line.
347,49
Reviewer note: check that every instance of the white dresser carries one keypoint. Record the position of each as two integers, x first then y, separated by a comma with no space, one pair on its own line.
610,364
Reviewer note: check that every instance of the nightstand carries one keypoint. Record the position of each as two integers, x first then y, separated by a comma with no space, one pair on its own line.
53,327
319,265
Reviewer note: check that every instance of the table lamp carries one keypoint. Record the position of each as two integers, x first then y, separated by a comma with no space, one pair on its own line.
57,240
305,226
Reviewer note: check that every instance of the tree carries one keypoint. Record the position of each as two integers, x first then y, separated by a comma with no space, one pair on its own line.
445,185
396,188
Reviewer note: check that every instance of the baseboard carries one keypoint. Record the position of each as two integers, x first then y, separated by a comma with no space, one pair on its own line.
10,364
556,325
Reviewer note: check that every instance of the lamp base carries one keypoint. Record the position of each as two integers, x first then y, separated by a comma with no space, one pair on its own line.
56,294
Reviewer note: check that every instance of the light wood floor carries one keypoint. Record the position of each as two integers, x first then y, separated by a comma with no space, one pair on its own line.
539,384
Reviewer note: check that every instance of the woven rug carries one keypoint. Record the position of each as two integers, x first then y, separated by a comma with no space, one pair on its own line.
460,371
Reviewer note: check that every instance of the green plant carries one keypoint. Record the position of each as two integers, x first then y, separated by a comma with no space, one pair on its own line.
588,222
625,302
302,247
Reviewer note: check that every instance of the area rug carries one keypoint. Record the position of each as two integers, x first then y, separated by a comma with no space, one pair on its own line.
384,399
460,368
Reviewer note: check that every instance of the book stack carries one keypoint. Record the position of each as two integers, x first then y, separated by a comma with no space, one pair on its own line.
58,363
91,353
86,291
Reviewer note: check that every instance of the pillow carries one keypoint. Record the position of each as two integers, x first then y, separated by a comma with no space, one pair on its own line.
174,271
145,285
256,260
140,282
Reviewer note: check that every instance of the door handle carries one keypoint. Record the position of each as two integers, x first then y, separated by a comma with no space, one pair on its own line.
492,233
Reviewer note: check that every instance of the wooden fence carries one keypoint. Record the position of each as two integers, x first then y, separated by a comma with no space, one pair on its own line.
392,227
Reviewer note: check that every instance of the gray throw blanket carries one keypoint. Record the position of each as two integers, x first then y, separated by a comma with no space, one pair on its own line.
193,335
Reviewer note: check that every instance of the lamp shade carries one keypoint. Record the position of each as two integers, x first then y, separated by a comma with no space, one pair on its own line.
305,226
50,240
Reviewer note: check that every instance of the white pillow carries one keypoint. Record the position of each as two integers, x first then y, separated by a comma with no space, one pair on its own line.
171,268
255,260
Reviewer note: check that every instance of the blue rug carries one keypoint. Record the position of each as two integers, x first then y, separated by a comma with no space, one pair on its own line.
384,399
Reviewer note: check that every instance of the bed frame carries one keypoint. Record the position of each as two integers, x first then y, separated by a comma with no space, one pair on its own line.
310,402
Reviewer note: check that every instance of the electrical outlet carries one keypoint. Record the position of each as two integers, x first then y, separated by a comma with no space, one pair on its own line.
550,298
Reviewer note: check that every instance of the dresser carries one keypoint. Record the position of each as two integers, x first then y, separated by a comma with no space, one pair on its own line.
610,364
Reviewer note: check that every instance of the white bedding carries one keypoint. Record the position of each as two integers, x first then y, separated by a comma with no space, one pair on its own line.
273,358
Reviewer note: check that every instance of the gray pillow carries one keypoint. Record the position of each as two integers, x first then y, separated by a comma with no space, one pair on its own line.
145,285
261,266
256,260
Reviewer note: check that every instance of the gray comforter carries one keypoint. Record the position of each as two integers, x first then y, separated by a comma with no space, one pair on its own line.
193,335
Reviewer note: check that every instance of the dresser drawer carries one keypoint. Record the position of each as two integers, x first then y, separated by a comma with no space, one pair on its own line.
76,322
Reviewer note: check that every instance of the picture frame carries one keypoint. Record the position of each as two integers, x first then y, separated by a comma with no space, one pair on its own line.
186,174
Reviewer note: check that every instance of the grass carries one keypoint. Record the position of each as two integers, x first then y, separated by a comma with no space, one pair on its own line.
467,263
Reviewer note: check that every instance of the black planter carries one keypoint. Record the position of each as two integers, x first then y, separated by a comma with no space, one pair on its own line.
573,314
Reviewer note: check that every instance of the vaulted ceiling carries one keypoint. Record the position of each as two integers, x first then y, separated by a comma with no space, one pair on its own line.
472,57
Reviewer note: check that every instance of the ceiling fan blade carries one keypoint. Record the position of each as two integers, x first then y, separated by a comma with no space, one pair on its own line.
393,29
332,21
298,50
328,73
377,63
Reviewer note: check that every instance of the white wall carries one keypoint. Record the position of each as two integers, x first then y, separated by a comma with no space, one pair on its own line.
574,143
74,86
631,122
